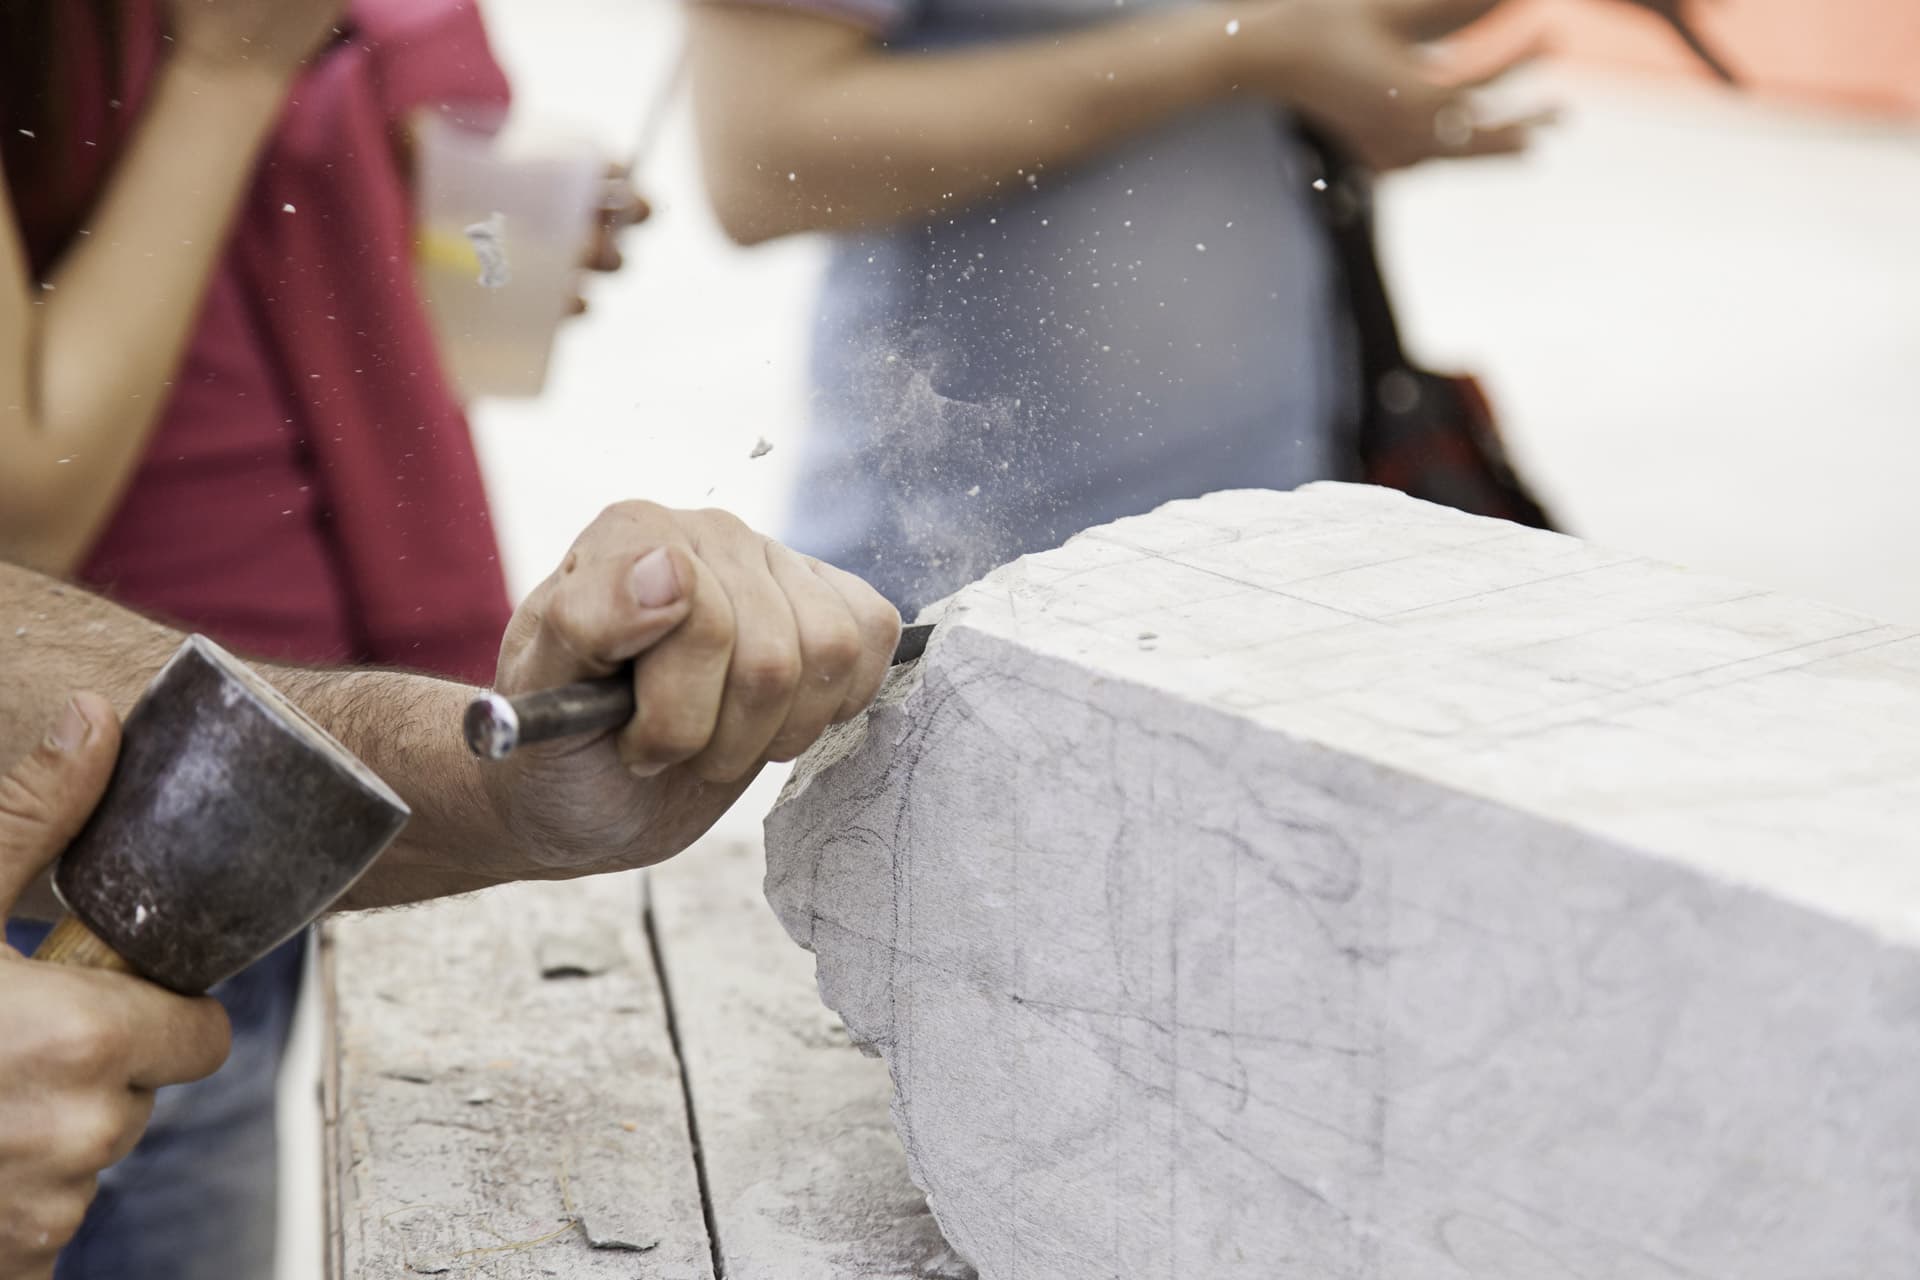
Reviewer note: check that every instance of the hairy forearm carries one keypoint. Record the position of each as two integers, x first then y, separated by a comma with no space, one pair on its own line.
86,366
57,639
808,125
406,727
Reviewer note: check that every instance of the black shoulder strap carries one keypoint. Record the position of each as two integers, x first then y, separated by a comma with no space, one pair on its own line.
1344,196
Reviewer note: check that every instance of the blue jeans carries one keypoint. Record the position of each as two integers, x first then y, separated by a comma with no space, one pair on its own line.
196,1199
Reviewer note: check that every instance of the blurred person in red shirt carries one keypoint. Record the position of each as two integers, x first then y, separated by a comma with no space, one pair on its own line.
223,405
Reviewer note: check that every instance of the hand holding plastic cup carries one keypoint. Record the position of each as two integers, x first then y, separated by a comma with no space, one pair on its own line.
502,232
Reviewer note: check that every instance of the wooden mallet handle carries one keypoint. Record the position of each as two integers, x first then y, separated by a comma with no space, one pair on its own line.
72,943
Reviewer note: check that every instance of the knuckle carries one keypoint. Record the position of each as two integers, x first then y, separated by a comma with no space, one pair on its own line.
89,1137
766,676
85,1044
835,650
572,620
667,741
881,626
630,511
720,520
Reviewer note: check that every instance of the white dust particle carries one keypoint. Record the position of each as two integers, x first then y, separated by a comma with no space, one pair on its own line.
974,492
762,449
27,133
489,241
1199,248
286,208
1233,27
18,632
1319,184
140,914
793,177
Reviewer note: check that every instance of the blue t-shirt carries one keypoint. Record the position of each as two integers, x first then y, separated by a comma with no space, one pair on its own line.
1157,323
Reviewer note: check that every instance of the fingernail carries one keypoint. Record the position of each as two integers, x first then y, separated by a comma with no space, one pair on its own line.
654,582
72,731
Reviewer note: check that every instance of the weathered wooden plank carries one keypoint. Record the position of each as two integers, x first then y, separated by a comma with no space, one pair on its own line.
805,1178
502,1097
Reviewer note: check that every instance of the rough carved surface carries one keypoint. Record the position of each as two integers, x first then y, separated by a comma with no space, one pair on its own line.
1332,885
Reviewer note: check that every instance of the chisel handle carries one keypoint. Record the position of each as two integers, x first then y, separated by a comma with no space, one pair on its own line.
497,725
73,944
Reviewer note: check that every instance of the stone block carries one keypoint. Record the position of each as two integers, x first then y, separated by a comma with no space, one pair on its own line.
1331,885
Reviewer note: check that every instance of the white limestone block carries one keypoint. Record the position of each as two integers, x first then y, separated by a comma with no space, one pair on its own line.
1330,885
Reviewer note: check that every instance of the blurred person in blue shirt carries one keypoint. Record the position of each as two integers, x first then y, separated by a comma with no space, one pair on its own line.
1077,268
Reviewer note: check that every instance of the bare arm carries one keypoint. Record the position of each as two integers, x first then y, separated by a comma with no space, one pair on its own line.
808,124
59,638
743,652
872,137
85,366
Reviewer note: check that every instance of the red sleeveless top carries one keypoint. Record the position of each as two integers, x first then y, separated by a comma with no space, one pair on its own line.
310,491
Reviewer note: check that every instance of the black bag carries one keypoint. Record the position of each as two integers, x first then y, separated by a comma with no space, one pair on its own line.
1427,434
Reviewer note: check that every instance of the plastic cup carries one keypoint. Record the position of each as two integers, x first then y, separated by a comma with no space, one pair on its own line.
537,206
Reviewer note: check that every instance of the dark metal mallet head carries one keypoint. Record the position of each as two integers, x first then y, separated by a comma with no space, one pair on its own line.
231,822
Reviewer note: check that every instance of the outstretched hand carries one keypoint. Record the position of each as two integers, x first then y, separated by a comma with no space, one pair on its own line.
1358,68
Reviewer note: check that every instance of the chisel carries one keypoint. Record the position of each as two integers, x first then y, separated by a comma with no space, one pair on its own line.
496,725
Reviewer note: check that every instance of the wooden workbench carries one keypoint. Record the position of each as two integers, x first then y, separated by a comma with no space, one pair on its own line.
606,1078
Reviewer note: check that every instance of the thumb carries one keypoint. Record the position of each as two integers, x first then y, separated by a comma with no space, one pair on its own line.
604,609
46,797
